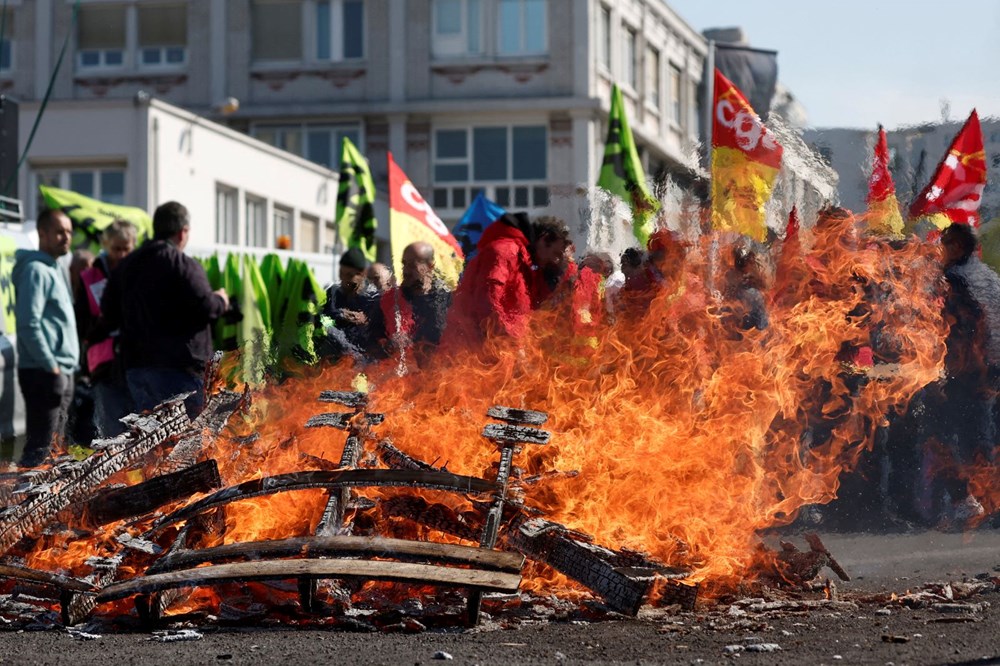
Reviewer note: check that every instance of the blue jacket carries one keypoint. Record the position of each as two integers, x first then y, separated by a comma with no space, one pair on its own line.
46,325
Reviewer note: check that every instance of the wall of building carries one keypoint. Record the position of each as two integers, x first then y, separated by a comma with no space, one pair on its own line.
914,155
167,154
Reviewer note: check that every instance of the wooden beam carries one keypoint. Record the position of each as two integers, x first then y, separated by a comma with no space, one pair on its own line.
352,399
497,581
517,416
45,578
341,420
75,482
503,433
134,501
344,546
320,479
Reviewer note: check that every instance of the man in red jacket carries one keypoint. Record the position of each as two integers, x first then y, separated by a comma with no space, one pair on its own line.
496,289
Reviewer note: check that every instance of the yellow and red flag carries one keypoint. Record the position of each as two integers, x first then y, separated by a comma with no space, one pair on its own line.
745,161
956,190
412,219
884,217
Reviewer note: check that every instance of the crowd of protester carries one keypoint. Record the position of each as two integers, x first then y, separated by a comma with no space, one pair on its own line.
134,324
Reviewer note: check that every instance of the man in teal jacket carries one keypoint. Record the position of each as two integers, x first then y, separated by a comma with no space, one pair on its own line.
48,350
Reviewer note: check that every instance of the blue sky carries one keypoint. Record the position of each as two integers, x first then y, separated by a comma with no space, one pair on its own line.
857,63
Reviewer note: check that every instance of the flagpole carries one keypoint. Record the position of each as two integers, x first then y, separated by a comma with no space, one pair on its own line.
707,112
708,116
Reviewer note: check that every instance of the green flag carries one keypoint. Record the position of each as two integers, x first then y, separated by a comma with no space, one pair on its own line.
273,273
621,171
254,333
7,249
91,217
301,306
212,270
356,221
227,334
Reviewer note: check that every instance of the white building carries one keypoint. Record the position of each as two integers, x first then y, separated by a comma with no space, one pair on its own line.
241,192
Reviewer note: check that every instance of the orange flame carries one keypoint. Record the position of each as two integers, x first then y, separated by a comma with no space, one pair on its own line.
689,437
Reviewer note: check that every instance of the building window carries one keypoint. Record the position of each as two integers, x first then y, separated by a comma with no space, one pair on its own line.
508,163
105,184
340,29
629,59
108,33
227,227
695,109
522,27
276,30
283,225
162,35
256,222
316,143
329,237
675,95
458,27
604,39
308,234
653,77
101,36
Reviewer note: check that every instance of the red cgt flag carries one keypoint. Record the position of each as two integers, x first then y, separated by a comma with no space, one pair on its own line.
957,187
883,208
745,161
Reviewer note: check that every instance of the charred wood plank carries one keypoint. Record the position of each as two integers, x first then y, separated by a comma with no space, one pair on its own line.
511,434
45,578
491,528
404,572
342,420
353,399
816,545
321,479
218,410
77,481
396,459
332,520
517,416
134,501
585,563
344,546
623,587
435,516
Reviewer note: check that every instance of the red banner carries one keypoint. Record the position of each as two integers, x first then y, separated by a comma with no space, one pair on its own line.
883,208
745,161
412,219
736,125
956,190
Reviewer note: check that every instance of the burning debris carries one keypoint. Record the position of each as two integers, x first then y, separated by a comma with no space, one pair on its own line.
668,446
156,565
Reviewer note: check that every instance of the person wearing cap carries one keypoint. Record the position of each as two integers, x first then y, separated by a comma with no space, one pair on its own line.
354,308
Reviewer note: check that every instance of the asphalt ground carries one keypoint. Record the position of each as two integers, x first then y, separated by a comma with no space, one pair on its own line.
864,627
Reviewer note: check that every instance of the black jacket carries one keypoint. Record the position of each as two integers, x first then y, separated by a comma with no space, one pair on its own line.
161,301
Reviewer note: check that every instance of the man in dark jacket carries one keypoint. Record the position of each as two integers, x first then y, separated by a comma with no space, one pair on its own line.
415,312
497,286
160,300
48,349
963,413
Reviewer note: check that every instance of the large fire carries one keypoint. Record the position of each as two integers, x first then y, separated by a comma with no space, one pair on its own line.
686,435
